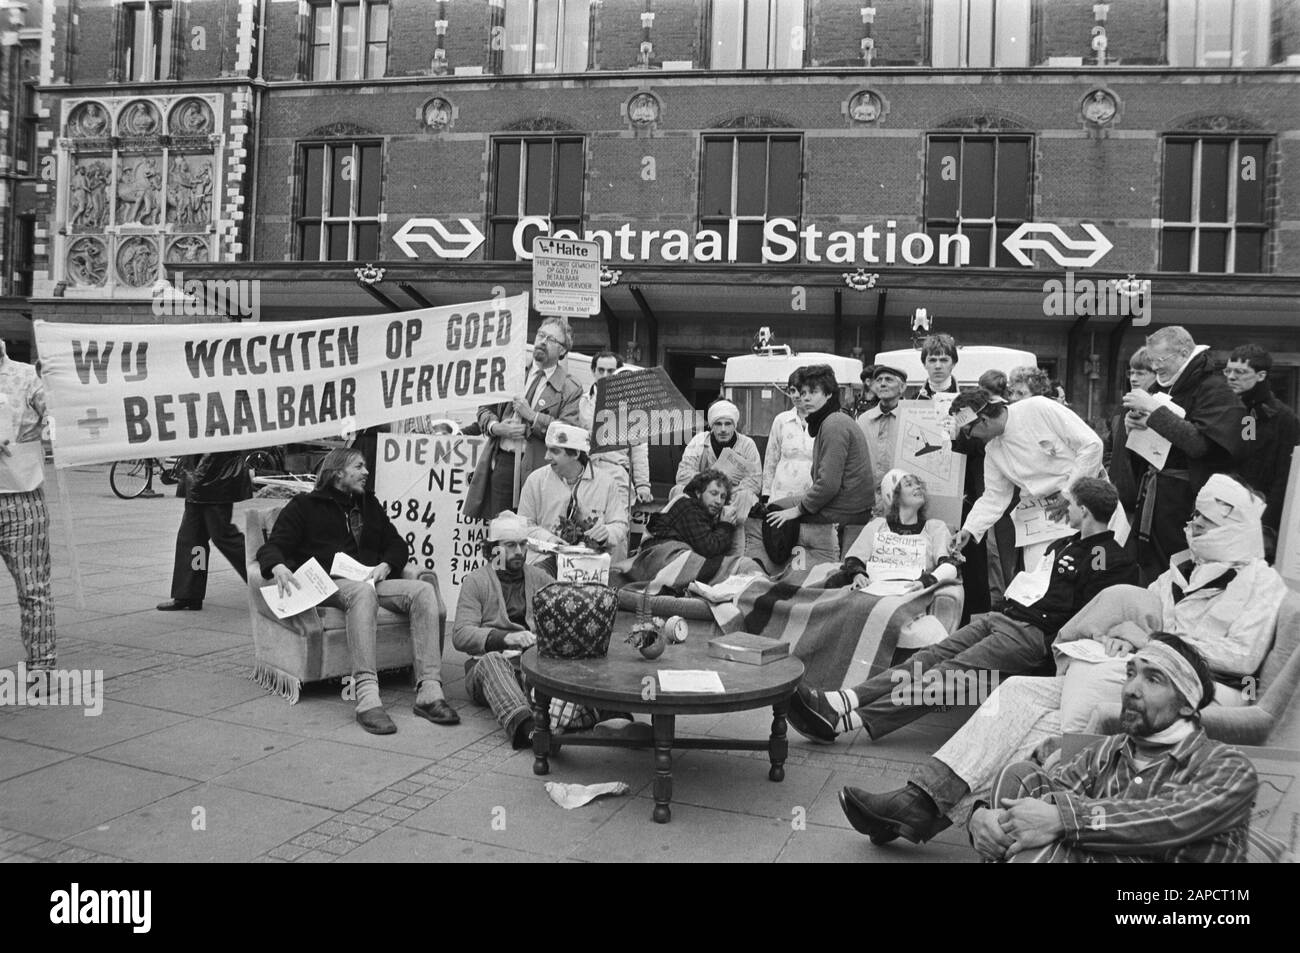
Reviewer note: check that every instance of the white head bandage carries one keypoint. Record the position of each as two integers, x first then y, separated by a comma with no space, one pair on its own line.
721,409
568,437
508,527
1179,671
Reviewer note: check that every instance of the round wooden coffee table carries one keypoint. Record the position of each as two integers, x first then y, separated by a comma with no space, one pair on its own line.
624,681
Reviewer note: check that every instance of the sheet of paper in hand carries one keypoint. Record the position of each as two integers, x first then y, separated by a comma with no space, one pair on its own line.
895,556
1148,444
731,464
345,567
1033,524
315,586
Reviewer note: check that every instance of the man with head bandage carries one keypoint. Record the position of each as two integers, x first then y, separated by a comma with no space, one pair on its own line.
1162,791
1220,598
723,447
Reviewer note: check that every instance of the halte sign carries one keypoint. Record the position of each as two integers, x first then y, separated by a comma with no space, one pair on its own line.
117,392
566,277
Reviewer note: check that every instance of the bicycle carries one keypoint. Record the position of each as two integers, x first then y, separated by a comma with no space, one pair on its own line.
130,479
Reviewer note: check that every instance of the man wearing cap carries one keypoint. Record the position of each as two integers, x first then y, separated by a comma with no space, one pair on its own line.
1222,601
1035,445
723,447
24,520
494,624
519,428
880,423
571,501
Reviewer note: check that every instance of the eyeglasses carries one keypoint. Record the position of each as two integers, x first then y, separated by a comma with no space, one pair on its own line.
544,338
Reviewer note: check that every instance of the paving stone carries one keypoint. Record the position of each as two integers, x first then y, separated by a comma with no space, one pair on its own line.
287,852
309,840
337,845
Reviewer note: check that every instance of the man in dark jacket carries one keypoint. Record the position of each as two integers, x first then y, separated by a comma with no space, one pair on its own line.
1270,432
211,484
1205,440
340,517
1014,641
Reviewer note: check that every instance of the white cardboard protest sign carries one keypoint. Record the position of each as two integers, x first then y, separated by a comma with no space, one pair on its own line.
421,482
119,392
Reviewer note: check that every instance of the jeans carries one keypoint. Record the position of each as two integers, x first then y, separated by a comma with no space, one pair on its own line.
409,597
990,642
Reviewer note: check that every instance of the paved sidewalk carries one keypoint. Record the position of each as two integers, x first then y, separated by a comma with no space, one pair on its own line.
191,761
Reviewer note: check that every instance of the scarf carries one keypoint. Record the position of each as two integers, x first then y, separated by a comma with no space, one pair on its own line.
719,447
1168,736
817,417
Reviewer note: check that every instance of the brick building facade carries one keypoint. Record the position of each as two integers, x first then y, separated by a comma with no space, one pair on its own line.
296,142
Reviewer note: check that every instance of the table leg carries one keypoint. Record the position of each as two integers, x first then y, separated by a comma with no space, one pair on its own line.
777,746
663,790
541,732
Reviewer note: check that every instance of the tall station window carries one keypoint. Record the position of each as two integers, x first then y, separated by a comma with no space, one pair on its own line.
1220,33
979,33
349,39
757,34
25,149
751,179
1213,205
546,36
338,201
540,176
980,187
147,41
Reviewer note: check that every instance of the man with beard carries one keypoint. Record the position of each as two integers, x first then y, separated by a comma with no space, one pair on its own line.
1222,600
570,501
1161,792
338,516
494,624
1205,439
518,429
1270,430
723,447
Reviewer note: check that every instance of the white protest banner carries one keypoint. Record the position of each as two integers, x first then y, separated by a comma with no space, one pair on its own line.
421,482
124,391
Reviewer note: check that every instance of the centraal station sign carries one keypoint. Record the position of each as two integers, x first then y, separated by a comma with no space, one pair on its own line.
783,241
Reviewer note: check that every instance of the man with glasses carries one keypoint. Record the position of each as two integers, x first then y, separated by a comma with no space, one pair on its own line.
1270,433
518,429
1206,439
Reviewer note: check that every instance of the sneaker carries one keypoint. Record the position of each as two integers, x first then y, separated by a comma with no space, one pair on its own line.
811,716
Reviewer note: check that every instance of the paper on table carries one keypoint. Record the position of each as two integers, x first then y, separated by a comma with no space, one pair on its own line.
701,681
1088,650
1148,444
1033,525
345,567
315,588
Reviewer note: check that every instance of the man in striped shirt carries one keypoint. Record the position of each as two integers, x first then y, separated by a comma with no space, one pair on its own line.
1161,792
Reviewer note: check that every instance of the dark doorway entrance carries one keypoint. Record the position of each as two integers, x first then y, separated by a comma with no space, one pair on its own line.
698,376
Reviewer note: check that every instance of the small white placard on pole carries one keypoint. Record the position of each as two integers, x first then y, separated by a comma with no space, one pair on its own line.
566,277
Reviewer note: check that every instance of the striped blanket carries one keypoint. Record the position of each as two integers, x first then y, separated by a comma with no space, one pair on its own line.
673,565
842,636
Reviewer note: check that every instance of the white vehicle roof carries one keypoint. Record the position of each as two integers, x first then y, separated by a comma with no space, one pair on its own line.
777,364
971,362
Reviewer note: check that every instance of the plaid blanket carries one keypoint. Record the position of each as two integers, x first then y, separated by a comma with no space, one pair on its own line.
673,565
842,636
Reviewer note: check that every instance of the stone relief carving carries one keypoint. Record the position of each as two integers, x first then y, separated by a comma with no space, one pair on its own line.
87,262
139,119
139,191
190,117
88,195
137,262
88,121
190,248
189,190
